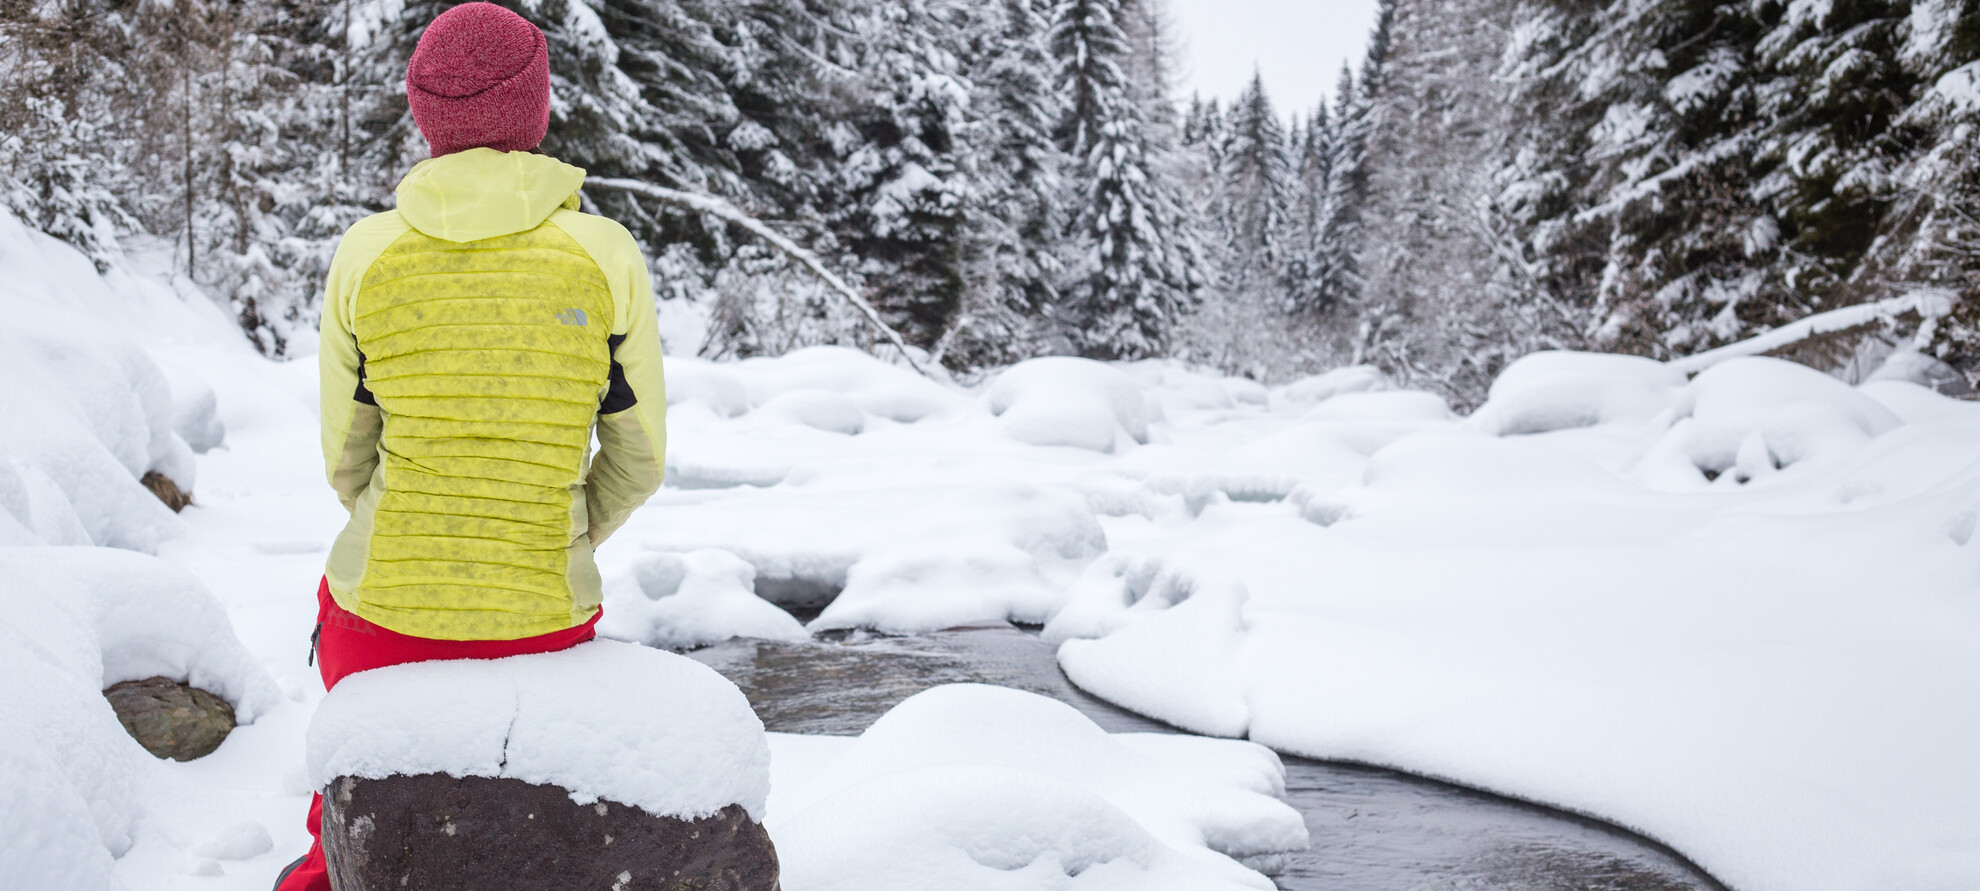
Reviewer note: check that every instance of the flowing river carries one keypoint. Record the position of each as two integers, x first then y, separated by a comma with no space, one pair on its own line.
1372,829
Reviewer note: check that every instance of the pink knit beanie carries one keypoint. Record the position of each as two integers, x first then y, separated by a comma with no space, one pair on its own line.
480,77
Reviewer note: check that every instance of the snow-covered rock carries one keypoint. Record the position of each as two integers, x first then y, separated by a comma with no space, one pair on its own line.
975,787
606,721
1061,401
1745,419
1545,392
1322,387
680,601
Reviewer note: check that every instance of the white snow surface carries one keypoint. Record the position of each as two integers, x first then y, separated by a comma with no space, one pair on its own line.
602,720
1738,612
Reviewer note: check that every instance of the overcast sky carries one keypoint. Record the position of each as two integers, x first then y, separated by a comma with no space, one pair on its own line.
1298,44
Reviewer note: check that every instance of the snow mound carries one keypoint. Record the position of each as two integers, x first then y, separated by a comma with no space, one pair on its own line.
1745,419
819,410
1322,387
1177,388
681,601
874,387
972,786
48,838
72,622
604,720
88,411
1060,401
1545,392
901,558
692,381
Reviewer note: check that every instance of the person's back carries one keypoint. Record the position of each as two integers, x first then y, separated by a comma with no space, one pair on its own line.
474,341
472,337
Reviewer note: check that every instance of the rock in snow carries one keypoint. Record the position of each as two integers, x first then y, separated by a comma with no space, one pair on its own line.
170,719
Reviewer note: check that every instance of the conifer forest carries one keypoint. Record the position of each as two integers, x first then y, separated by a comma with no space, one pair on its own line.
1007,179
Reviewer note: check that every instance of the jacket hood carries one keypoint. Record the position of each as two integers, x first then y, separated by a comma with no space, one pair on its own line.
482,193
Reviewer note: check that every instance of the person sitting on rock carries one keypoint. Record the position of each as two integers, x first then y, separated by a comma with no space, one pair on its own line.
474,341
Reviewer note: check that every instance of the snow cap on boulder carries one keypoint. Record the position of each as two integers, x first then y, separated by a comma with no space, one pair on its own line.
604,721
480,78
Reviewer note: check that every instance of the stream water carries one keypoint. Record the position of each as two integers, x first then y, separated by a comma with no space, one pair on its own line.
1372,829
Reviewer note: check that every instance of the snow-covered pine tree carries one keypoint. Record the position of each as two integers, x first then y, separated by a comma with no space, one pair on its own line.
255,172
1203,124
1437,300
1258,181
904,173
1304,262
1140,270
1703,172
597,112
1336,282
61,122
1013,251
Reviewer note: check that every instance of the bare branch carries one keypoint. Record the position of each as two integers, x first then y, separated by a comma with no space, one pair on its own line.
717,207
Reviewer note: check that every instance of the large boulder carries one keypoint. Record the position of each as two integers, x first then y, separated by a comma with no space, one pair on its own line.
607,765
437,832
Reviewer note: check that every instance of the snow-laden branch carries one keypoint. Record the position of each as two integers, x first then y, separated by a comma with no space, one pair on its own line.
716,207
1930,305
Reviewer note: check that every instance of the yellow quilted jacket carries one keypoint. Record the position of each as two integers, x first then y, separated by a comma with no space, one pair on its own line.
474,342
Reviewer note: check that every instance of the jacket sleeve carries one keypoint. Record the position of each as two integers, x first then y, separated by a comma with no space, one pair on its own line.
352,422
632,417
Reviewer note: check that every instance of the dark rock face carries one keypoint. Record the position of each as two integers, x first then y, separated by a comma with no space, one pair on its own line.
170,719
440,833
167,491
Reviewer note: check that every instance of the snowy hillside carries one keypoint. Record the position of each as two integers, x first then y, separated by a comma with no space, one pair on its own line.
1732,611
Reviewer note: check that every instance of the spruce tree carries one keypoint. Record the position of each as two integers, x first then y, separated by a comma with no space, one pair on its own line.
1139,272
1304,261
1257,172
1337,280
1019,209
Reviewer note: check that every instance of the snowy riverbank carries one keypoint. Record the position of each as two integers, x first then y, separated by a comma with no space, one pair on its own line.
1736,612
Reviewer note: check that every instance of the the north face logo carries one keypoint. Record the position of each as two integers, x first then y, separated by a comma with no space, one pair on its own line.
573,316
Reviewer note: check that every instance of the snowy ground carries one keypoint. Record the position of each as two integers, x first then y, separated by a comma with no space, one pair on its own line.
1736,612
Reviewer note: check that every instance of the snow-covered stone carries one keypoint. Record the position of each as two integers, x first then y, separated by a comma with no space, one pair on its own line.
968,786
680,601
606,721
1061,401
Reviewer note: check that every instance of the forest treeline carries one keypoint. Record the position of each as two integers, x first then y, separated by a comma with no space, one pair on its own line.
1011,178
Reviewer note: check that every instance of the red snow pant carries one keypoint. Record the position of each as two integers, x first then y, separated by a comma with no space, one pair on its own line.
347,644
